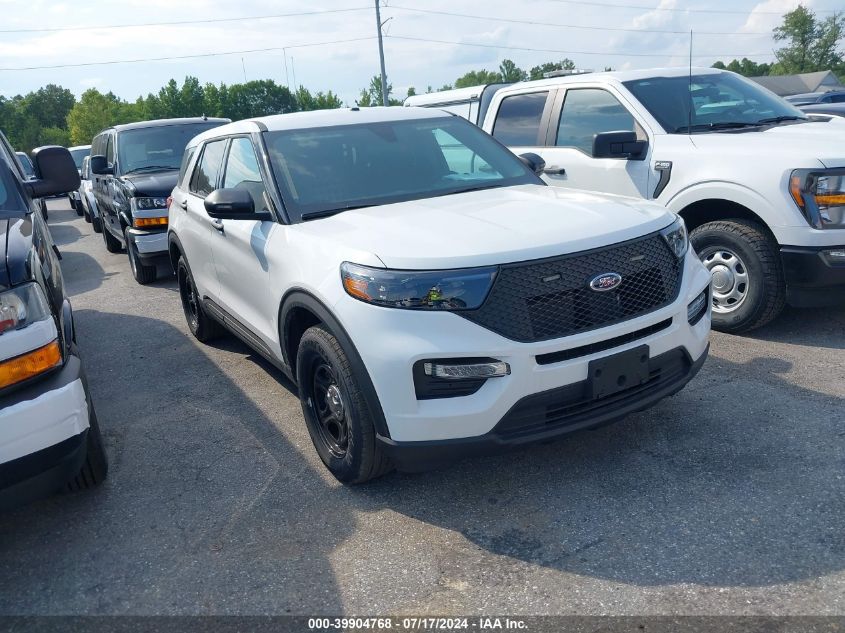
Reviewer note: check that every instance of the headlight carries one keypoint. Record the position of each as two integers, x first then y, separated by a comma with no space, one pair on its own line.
148,204
22,306
820,194
463,289
676,237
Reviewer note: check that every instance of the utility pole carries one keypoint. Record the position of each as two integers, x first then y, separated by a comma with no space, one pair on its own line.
381,56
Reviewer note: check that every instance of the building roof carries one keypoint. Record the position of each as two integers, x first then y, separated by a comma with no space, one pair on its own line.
786,85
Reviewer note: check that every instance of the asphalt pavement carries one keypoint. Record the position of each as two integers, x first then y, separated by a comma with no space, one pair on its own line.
728,498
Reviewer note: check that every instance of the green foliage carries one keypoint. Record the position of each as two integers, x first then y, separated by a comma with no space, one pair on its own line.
372,95
476,78
745,67
539,71
510,72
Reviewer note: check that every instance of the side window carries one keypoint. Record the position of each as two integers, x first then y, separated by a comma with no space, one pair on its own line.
110,149
460,159
242,171
840,98
186,160
518,120
587,112
204,180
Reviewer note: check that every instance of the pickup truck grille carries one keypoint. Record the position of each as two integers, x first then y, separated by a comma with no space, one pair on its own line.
551,298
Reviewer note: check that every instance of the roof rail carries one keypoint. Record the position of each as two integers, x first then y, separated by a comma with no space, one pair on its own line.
567,73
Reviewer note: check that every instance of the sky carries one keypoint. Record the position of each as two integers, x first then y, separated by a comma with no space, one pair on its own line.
318,52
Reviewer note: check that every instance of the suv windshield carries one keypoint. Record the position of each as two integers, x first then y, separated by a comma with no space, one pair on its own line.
326,170
79,154
719,101
158,147
10,199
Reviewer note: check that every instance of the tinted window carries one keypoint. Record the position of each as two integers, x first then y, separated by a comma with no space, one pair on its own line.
158,147
518,119
78,155
186,160
838,98
110,149
587,112
242,171
10,199
716,99
204,180
332,168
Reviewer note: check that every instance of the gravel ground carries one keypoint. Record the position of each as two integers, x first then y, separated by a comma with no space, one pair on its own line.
724,499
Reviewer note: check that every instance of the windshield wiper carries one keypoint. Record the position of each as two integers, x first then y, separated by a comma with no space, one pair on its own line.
325,213
468,189
721,125
150,168
781,119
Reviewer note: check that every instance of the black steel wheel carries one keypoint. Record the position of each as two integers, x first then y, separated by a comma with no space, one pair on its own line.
336,414
202,326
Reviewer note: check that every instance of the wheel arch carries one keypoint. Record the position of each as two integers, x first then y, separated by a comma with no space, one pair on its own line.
299,310
174,250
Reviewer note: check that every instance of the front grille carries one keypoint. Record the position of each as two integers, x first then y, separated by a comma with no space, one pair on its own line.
573,405
551,298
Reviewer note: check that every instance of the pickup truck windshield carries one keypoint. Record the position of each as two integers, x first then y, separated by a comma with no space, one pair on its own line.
155,148
322,171
78,155
720,101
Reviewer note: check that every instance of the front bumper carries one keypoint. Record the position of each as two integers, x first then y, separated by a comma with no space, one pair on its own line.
551,414
407,336
151,246
814,278
42,434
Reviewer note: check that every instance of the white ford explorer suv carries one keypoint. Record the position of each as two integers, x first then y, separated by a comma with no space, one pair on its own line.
761,187
428,294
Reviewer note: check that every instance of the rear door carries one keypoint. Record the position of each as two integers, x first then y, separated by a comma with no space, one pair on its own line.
197,231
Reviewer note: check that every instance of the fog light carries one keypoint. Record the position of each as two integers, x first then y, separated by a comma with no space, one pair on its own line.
467,370
698,307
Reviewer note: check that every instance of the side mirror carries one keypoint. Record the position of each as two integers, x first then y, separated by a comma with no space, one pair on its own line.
55,172
622,145
100,166
534,162
233,204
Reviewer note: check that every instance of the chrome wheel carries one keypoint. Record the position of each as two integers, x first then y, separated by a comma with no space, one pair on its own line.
730,278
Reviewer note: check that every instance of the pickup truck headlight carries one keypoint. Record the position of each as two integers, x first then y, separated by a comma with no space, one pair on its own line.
20,307
148,204
148,212
676,237
462,289
820,194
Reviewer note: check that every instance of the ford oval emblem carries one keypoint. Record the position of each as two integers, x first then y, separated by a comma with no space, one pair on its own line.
605,282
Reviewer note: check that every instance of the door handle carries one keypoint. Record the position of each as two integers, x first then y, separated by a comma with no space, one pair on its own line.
218,224
555,171
184,204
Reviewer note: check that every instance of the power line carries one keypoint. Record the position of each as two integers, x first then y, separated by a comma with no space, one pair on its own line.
571,26
182,22
609,5
198,55
562,52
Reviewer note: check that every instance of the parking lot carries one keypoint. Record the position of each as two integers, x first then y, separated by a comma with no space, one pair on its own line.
728,498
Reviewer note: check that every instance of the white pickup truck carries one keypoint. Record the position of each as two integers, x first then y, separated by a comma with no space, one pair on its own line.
760,186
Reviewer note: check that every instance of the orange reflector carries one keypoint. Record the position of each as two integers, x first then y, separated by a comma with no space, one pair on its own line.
831,198
795,190
357,288
30,364
145,222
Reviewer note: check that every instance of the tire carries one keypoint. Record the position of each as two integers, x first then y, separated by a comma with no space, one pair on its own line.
96,466
202,326
336,413
77,206
96,224
86,214
113,244
749,289
142,273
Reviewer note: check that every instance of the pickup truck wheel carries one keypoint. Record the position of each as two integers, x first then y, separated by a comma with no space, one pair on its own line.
203,327
336,414
96,465
112,243
77,206
748,282
86,214
142,273
96,224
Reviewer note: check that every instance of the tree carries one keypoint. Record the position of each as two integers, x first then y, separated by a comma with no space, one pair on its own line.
95,111
510,72
810,44
257,98
372,95
476,78
50,105
538,72
745,67
411,92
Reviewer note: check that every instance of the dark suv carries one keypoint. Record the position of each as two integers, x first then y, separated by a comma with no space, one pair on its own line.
134,168
49,437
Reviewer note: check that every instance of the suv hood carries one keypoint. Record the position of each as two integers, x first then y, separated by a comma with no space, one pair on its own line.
494,226
156,184
817,140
